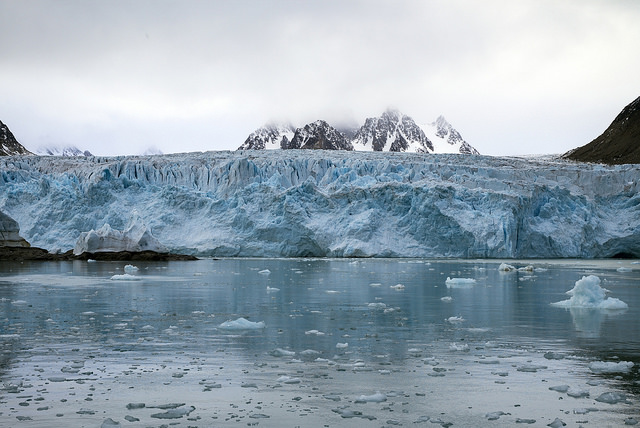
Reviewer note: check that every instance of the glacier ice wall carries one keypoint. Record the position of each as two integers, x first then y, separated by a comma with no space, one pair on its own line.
334,204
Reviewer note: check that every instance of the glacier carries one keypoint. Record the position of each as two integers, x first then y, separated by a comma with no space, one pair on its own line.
316,203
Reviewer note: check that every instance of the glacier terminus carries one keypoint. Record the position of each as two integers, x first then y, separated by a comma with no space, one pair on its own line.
319,203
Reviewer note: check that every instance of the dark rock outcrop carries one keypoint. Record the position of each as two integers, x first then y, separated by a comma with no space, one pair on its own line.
319,135
619,144
9,146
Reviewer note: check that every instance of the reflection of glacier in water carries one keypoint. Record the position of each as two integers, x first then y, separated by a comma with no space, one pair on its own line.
341,344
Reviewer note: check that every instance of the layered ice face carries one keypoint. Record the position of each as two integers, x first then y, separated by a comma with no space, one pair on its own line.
298,203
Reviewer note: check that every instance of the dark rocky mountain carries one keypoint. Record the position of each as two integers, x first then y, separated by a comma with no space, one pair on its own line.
319,135
270,136
393,132
620,142
9,146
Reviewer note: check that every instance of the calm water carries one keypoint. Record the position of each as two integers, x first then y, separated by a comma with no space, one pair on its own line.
345,343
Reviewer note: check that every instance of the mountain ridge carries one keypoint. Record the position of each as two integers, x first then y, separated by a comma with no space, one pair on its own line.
392,131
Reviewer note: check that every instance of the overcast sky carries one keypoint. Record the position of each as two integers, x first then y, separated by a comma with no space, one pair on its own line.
118,77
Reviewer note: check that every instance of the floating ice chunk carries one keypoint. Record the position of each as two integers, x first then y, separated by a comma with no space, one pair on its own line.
530,368
131,269
19,302
125,277
624,269
176,413
602,367
378,397
109,423
557,423
279,352
316,332
526,269
457,347
587,293
506,268
577,393
397,287
264,272
460,282
288,380
559,388
447,299
241,324
494,416
455,320
272,289
377,305
342,345
612,397
332,292
309,353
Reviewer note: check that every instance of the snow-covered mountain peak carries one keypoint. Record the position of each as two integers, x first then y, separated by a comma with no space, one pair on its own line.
446,139
393,132
273,135
62,151
319,135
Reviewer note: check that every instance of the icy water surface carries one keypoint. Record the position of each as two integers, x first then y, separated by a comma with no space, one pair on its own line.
324,343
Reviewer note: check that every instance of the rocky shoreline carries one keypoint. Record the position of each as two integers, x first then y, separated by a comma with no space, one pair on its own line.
35,253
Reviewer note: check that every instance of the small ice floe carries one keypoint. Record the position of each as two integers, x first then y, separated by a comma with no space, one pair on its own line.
130,269
447,299
606,367
378,397
377,305
125,277
91,260
332,292
241,324
612,398
506,268
529,268
19,302
264,272
342,345
460,282
272,289
175,413
624,269
557,423
587,293
455,320
530,368
109,423
494,416
577,393
279,352
288,380
553,355
459,347
397,287
314,332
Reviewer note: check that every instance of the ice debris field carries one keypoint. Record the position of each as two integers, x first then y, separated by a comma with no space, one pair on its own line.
327,204
317,342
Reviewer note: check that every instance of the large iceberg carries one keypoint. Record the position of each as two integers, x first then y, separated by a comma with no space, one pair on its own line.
330,203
